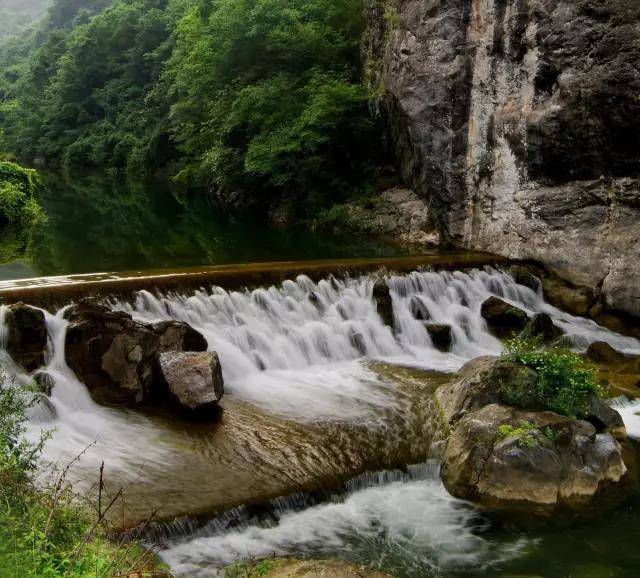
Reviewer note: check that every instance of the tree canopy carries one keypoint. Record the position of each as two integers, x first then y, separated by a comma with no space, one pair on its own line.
260,97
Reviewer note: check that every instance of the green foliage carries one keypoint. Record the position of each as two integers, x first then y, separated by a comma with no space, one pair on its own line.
392,17
565,380
43,533
522,431
261,97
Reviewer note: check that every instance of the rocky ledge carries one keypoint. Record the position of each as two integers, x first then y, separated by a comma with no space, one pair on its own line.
523,461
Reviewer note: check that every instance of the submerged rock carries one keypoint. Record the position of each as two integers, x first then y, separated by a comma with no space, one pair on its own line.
503,318
523,276
194,379
44,382
527,461
27,339
441,335
602,352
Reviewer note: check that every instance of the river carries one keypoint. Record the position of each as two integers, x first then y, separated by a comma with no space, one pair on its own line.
323,447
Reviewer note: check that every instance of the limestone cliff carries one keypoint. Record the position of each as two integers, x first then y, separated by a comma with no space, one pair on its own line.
519,121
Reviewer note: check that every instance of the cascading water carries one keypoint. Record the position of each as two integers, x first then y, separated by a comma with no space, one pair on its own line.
301,354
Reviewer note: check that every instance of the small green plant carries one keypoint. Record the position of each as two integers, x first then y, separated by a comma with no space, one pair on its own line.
393,18
44,533
565,380
522,431
551,434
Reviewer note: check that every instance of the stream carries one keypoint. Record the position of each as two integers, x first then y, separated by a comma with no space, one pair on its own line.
323,448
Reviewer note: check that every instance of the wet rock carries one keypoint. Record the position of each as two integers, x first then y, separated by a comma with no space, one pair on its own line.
384,303
602,352
604,418
542,326
554,465
523,276
418,309
44,382
112,354
441,336
503,318
179,336
27,339
194,379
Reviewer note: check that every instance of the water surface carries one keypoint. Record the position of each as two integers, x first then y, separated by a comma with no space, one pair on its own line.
95,223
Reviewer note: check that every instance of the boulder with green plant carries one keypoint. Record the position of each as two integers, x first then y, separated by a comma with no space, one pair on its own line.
530,433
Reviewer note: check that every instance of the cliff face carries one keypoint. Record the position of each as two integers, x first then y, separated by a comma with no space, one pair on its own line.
519,120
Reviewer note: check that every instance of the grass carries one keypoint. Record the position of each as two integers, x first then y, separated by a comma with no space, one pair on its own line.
46,529
522,431
565,381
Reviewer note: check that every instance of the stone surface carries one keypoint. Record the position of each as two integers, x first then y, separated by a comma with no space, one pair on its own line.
179,336
563,465
397,214
27,335
602,352
292,568
45,383
543,327
503,319
441,335
383,302
518,122
112,354
553,464
194,379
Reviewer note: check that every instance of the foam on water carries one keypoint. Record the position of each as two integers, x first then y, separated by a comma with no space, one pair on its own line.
298,350
388,518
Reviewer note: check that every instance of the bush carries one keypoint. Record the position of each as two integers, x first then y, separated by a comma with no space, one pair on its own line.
565,380
43,532
18,185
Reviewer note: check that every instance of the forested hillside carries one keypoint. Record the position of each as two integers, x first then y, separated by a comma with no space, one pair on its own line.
250,97
15,15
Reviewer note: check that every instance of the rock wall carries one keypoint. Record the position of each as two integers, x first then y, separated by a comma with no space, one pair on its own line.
519,121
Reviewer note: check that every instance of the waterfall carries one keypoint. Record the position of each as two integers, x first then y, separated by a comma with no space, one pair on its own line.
386,518
299,350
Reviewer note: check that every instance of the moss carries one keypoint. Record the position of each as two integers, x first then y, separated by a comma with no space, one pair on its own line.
522,431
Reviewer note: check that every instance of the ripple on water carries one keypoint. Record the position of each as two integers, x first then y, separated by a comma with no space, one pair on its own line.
404,521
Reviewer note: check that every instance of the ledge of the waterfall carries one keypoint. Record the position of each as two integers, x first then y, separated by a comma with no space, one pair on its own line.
291,567
527,465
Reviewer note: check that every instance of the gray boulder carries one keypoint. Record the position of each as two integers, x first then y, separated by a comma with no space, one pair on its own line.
194,379
441,335
553,465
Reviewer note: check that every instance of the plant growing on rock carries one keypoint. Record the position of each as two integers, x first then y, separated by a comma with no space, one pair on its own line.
565,380
522,431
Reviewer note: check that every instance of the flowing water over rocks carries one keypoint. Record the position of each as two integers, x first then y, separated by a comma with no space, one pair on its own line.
317,389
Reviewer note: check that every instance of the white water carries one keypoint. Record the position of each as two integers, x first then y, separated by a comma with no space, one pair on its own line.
385,518
300,351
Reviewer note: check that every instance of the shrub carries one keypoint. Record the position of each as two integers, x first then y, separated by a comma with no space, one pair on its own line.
565,380
522,432
43,532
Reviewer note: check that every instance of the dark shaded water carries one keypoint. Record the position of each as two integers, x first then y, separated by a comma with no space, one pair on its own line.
97,224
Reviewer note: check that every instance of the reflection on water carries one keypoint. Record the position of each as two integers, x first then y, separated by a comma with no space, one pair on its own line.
98,224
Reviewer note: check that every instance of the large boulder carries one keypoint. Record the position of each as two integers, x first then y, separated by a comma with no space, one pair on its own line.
27,335
194,379
602,352
540,463
528,461
503,319
112,354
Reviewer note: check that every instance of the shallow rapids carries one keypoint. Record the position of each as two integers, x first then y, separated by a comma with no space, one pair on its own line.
318,389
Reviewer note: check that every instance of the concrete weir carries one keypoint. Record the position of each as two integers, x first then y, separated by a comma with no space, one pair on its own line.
52,292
